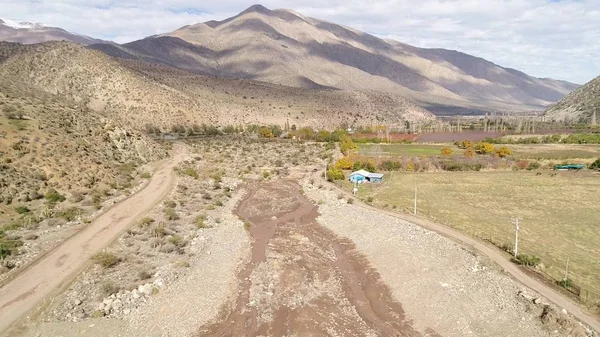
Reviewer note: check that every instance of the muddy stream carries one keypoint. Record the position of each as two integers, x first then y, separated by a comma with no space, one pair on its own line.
302,279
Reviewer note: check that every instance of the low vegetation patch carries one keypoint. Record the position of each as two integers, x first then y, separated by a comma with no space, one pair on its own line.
106,260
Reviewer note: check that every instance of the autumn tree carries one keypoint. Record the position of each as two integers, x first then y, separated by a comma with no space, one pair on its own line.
446,151
346,144
465,144
345,163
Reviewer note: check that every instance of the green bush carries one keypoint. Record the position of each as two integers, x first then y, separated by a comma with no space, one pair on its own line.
22,210
69,214
534,165
54,196
190,171
145,221
170,214
595,165
528,260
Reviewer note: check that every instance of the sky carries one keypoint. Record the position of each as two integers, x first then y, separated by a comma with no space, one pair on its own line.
544,38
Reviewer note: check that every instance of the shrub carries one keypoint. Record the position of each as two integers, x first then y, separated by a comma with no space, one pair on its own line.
22,210
367,164
145,221
145,175
465,144
346,144
334,174
144,274
521,165
528,260
9,245
484,148
265,133
389,165
106,260
177,240
370,199
469,152
595,165
170,204
201,221
54,196
350,201
190,171
460,166
266,174
70,213
109,288
533,166
410,166
446,151
503,152
170,214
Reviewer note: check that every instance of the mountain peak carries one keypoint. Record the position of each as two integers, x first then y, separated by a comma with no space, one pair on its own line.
21,25
257,9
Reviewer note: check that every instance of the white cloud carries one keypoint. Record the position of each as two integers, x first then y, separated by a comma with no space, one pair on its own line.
545,38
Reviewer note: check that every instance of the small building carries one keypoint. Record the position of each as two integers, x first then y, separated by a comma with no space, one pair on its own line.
362,176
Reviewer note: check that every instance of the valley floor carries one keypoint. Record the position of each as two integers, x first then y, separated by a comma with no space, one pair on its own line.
291,257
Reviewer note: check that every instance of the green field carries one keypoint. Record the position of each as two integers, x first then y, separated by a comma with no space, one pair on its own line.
400,149
561,214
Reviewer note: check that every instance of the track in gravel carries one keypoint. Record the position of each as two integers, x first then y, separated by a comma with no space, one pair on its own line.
495,255
302,279
56,269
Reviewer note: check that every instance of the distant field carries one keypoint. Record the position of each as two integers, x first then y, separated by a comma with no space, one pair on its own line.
560,213
529,151
555,151
399,149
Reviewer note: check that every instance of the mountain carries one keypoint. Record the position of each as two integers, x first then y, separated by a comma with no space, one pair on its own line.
287,48
138,93
580,105
27,33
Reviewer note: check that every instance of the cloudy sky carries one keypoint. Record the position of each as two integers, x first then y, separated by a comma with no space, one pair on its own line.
544,38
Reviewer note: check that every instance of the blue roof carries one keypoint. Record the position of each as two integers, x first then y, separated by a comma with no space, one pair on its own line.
367,174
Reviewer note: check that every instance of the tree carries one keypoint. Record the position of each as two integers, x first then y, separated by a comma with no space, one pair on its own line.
446,151
265,133
503,152
484,148
344,163
334,174
346,144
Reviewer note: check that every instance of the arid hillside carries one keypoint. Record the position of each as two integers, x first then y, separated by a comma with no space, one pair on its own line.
285,47
580,105
27,32
139,93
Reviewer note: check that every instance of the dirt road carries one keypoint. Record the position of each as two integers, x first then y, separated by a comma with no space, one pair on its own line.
303,279
498,257
57,268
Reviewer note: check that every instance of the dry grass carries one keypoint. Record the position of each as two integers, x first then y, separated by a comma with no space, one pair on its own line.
560,213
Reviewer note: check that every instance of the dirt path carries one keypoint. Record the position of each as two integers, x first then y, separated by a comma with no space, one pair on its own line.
304,280
55,270
496,256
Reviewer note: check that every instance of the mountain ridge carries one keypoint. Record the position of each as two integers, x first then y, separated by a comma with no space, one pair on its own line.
580,105
284,47
31,33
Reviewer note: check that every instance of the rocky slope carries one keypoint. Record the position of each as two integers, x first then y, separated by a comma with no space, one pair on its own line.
138,93
284,47
580,105
27,32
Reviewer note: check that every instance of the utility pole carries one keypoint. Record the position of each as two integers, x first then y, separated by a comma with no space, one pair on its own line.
415,212
516,222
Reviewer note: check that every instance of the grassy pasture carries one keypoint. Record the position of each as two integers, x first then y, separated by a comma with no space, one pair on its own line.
520,151
561,214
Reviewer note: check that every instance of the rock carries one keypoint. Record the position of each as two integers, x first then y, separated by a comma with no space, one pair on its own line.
537,300
135,294
158,282
145,289
117,304
77,302
127,311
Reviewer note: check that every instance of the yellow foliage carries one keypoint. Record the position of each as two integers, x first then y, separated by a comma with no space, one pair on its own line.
265,133
484,148
504,152
345,163
346,144
446,151
465,144
410,166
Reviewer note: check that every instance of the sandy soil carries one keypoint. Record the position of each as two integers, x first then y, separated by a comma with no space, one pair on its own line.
54,270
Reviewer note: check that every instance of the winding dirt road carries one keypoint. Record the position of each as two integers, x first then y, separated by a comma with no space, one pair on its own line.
495,255
53,271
